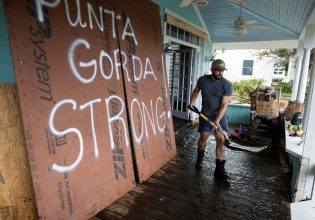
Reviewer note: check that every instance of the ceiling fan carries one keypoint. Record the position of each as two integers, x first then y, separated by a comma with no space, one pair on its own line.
185,3
240,24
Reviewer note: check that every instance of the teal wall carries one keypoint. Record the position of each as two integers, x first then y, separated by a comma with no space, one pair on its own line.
6,65
187,12
238,114
208,52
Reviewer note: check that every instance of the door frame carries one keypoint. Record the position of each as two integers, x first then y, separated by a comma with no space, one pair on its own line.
195,74
178,113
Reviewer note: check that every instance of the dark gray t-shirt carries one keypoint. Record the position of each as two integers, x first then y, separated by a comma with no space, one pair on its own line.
212,92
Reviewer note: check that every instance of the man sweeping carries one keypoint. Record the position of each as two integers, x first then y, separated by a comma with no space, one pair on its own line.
215,92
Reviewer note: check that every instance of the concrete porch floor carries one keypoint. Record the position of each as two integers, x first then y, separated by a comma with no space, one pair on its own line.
259,187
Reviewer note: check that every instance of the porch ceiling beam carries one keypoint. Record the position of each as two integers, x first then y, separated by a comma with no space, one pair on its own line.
294,34
255,45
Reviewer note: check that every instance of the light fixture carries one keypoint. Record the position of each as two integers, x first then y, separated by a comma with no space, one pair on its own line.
168,48
240,30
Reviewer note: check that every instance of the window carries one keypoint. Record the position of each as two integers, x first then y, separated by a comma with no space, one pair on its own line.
173,31
181,34
248,67
278,69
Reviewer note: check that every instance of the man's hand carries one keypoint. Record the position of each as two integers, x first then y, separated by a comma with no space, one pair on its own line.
216,124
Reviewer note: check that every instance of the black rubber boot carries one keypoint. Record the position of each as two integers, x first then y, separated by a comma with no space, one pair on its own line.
220,172
199,158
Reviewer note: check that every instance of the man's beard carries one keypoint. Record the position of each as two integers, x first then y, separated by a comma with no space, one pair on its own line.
217,77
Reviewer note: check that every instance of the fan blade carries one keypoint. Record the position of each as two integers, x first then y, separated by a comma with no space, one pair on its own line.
200,2
249,22
261,27
185,3
238,2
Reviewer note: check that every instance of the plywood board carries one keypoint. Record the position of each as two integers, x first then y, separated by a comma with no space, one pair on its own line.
66,60
17,199
146,85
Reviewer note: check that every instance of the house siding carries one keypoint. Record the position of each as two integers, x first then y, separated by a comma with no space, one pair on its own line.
6,64
262,69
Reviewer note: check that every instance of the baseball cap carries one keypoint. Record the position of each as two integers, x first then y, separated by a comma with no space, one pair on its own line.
218,64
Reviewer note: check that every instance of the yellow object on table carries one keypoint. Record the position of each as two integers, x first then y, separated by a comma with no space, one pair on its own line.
295,130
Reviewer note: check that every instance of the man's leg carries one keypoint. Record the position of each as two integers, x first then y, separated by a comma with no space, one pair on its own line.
202,142
219,150
220,172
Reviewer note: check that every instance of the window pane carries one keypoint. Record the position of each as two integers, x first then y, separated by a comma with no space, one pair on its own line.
179,105
193,39
248,67
173,31
197,40
181,34
187,36
248,63
181,82
184,106
247,71
175,105
167,29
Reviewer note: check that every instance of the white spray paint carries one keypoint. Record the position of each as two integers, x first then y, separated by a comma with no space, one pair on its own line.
55,166
79,20
112,13
39,7
138,139
130,34
104,54
82,64
148,69
163,115
117,54
134,59
127,31
90,103
91,12
145,110
147,116
111,119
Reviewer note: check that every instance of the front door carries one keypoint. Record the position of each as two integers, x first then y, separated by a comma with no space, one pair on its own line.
179,81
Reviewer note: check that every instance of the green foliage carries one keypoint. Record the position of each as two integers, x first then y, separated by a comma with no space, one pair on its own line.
286,87
243,88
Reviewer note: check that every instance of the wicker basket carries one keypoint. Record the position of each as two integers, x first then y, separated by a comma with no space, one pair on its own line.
293,107
268,108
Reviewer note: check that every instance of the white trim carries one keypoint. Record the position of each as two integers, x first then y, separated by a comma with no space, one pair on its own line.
176,40
241,105
309,150
255,45
301,181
